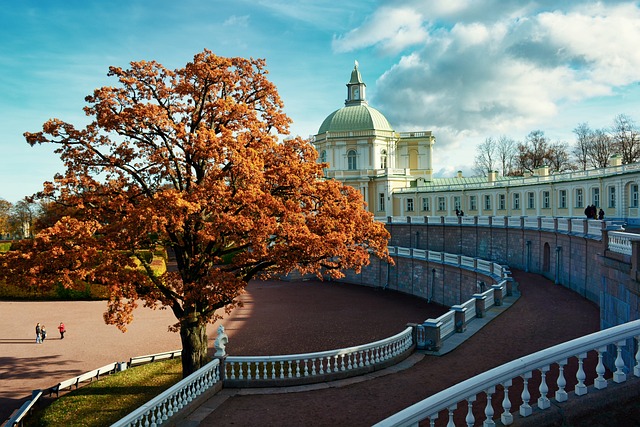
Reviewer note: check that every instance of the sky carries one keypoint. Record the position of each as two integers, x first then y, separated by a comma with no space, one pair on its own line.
464,69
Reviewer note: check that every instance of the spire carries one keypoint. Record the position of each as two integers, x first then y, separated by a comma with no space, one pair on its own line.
355,75
355,88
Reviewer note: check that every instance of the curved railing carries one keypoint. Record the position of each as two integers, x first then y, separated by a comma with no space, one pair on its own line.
316,366
466,391
162,407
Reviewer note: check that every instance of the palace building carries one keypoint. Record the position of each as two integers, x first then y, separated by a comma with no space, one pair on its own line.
394,172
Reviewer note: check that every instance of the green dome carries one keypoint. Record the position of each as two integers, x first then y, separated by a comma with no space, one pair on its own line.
355,117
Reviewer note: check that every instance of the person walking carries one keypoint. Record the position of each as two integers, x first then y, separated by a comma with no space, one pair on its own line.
62,330
38,337
601,214
43,332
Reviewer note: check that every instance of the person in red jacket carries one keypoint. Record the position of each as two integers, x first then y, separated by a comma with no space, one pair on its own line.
62,330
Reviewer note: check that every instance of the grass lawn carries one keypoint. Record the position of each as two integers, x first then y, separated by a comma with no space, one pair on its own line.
104,402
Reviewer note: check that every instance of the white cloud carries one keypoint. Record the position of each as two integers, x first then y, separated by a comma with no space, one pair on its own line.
391,29
237,21
488,67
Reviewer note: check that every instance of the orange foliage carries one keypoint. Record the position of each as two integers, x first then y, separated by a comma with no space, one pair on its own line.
189,159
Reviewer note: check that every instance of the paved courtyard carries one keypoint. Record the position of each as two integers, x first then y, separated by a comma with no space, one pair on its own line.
277,318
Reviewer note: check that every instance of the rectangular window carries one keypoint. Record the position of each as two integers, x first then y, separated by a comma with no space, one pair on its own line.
516,201
473,203
487,202
634,195
410,205
562,199
456,202
579,198
381,201
612,197
442,204
595,196
545,200
531,200
501,202
425,204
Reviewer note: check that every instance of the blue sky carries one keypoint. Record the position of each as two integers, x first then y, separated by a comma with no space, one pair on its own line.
466,70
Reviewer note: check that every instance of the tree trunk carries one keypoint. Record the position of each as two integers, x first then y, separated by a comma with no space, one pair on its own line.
194,346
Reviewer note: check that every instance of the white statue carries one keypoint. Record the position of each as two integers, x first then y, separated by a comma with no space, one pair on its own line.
221,342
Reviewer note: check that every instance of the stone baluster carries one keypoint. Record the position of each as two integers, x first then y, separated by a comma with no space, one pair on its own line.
581,388
619,376
470,419
432,419
451,409
506,417
297,368
525,408
543,400
600,383
561,394
488,409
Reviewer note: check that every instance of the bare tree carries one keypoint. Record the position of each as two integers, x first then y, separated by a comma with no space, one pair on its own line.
506,149
601,148
626,138
582,146
558,157
532,152
486,156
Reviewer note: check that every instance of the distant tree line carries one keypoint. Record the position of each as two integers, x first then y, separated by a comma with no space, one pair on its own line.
25,218
593,148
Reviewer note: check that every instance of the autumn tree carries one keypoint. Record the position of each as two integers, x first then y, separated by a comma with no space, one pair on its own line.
190,159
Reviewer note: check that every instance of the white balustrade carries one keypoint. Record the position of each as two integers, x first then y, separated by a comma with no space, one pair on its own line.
577,226
447,323
451,220
467,262
547,223
531,222
620,242
434,220
162,407
467,220
419,253
563,225
308,365
451,259
483,265
417,219
435,256
484,220
514,222
521,369
594,227
405,252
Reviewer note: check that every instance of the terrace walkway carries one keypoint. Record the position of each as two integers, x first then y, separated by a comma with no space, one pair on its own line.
544,315
285,318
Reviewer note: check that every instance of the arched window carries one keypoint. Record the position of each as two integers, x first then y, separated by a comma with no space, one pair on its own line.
323,156
383,159
351,160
